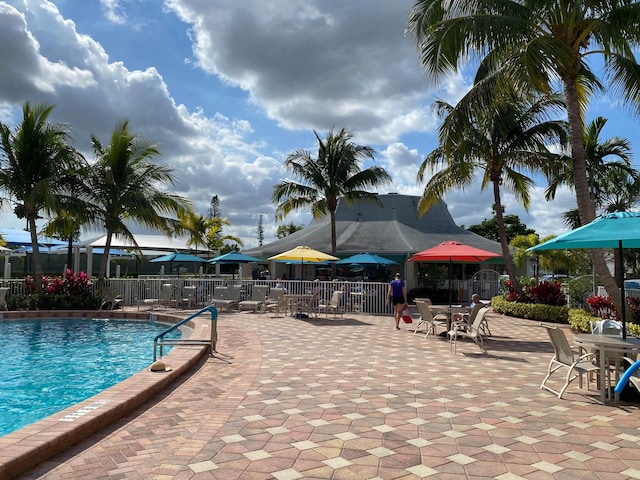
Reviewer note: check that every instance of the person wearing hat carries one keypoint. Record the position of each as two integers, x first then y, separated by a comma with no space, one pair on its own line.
397,296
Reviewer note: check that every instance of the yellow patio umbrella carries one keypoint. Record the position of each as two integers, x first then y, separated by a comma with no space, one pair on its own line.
304,254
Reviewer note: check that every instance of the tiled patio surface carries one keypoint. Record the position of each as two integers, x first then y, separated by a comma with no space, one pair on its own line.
354,399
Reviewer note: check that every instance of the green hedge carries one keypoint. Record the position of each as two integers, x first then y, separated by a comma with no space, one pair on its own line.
532,311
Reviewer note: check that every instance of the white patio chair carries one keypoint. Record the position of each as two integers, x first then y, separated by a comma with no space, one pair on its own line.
3,297
427,319
258,298
109,300
332,305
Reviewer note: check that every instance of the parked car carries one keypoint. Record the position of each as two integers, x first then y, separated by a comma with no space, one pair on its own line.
559,277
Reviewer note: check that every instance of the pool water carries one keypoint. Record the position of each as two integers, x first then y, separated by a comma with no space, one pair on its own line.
49,365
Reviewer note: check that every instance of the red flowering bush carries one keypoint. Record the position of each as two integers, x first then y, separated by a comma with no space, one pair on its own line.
603,307
70,292
547,293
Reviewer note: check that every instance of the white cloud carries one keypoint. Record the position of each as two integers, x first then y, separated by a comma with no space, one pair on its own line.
302,66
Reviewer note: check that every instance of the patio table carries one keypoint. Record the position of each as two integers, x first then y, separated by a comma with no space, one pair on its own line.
298,303
450,310
613,344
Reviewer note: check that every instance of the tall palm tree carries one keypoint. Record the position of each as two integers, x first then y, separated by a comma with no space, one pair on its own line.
614,185
335,174
500,142
36,166
125,185
539,43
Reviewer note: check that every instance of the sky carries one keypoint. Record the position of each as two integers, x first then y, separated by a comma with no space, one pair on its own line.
227,89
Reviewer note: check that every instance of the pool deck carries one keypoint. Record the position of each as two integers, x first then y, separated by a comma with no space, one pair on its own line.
352,398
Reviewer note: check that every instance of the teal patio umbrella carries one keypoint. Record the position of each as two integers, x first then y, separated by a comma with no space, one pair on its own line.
366,259
178,257
618,230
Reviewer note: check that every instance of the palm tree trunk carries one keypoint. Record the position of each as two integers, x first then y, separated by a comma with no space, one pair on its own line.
103,262
334,241
35,253
502,232
586,207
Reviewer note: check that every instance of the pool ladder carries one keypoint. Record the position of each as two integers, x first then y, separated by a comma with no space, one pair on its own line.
160,341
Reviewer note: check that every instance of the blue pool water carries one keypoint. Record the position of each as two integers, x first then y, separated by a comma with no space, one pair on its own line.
49,365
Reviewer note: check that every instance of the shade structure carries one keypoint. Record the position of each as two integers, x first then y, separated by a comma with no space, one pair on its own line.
178,257
234,257
452,251
304,254
366,259
618,230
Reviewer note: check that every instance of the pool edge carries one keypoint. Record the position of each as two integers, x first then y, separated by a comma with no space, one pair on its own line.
31,445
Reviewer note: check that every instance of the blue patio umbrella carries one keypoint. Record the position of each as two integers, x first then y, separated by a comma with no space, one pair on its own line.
618,230
366,259
178,257
234,257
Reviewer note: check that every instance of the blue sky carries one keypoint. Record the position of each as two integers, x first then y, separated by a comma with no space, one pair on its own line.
228,88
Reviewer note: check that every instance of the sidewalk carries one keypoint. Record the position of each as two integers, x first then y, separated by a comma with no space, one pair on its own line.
352,398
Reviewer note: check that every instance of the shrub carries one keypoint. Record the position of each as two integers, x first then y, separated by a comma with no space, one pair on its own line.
603,307
580,320
71,292
548,293
532,311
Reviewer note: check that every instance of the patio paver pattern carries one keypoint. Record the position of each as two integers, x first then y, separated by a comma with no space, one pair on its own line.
352,398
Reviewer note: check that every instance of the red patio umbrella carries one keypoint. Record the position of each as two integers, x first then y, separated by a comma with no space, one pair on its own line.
452,251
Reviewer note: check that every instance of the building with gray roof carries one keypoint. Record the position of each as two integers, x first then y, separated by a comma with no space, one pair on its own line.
393,230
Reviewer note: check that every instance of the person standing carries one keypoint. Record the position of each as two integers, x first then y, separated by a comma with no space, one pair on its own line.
397,296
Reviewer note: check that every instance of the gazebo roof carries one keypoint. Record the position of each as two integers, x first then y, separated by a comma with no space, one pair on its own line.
393,229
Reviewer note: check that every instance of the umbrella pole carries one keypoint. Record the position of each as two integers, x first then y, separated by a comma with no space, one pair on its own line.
450,291
623,306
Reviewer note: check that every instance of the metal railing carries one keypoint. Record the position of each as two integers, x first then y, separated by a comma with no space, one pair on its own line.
159,342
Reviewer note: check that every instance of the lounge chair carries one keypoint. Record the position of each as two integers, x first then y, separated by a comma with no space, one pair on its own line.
3,297
258,298
109,300
164,300
231,298
568,360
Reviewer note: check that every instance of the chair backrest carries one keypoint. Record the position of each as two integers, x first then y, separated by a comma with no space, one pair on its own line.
259,292
335,299
3,292
424,310
560,344
234,292
474,328
107,295
474,311
219,293
425,300
166,292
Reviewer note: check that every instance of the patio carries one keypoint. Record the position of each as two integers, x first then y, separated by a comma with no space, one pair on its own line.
287,398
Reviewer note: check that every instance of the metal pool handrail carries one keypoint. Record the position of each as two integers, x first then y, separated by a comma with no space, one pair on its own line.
160,341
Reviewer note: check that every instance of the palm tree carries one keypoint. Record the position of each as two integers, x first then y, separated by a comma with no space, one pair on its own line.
334,175
499,142
614,184
205,231
37,165
124,185
537,44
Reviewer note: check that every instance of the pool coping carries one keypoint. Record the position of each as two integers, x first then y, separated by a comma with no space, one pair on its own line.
31,445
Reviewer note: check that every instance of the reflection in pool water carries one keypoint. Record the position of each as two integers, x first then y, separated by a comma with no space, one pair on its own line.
49,365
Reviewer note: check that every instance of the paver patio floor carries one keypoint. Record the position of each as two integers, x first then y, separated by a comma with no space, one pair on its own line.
352,398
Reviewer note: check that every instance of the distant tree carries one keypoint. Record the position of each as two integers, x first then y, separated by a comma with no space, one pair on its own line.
488,228
36,167
215,212
288,229
323,181
260,231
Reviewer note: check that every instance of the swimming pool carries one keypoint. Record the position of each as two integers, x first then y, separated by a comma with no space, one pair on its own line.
49,365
